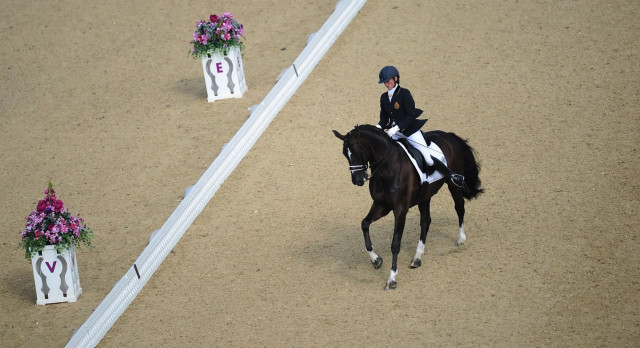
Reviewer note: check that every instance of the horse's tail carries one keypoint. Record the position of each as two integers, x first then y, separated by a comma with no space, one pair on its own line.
471,169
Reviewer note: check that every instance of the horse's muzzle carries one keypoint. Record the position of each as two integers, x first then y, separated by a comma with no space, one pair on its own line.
360,179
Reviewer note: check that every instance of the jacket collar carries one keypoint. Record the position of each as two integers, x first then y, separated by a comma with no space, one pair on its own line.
394,91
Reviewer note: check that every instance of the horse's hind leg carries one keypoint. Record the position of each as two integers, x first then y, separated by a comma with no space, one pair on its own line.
459,205
425,221
376,212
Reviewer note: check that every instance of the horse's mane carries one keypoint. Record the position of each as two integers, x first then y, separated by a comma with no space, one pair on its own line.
380,132
373,129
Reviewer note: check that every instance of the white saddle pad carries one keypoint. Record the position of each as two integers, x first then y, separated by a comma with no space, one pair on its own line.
435,152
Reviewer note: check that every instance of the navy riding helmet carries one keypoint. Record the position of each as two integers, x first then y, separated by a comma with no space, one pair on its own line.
387,73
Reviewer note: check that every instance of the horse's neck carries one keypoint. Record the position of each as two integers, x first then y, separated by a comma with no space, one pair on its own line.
379,148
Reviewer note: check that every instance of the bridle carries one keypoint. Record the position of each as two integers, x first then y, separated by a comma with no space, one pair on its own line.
363,167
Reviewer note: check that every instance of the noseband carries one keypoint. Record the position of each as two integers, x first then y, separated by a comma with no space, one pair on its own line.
356,168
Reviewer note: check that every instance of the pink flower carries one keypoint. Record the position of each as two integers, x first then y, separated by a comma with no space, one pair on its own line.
58,205
37,218
41,205
52,224
220,33
226,25
203,39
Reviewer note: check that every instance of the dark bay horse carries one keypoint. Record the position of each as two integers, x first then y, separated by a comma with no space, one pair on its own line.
395,185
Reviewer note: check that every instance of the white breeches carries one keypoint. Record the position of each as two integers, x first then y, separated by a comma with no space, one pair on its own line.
417,140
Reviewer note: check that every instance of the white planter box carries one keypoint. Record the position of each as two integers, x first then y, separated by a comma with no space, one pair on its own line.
56,275
224,76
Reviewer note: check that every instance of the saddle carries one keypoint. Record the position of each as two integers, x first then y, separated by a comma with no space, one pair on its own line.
417,155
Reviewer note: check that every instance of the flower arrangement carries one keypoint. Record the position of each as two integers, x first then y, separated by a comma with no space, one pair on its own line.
217,36
52,224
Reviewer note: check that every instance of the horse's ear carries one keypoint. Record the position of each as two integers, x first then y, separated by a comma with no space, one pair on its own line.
338,135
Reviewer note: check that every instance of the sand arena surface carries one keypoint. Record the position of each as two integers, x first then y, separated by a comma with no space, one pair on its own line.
103,100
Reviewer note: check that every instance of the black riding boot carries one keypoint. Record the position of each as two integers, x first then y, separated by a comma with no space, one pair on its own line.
456,179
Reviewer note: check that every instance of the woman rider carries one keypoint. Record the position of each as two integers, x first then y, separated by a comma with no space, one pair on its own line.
399,115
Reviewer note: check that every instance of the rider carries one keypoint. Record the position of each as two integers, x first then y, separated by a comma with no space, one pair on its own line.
399,115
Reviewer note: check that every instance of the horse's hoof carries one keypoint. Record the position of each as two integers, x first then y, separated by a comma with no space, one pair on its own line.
377,263
416,263
391,285
460,243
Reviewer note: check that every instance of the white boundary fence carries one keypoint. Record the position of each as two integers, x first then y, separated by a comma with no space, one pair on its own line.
128,287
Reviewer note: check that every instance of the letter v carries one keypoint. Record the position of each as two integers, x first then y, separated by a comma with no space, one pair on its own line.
51,268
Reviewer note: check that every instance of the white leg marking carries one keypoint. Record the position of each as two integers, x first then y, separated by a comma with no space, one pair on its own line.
372,255
419,251
392,277
461,236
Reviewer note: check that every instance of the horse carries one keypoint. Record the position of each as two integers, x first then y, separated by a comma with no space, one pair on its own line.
395,185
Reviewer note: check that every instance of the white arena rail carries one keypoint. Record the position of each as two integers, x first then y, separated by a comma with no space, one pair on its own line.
161,243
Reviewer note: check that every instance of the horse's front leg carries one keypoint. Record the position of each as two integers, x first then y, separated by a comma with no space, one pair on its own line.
376,212
425,221
400,218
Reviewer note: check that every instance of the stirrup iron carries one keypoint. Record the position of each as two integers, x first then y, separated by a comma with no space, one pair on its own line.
457,179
